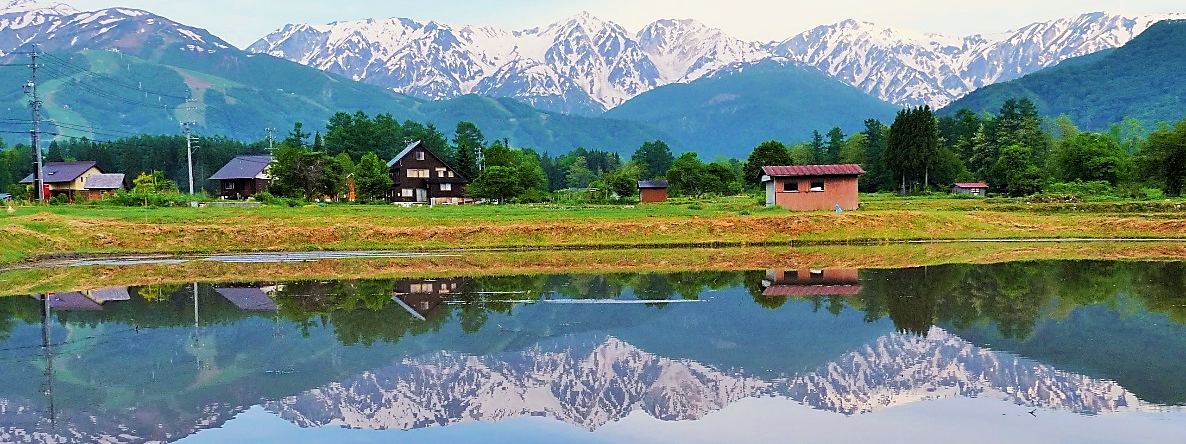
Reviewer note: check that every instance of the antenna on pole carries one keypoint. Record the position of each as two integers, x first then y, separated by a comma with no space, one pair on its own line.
35,134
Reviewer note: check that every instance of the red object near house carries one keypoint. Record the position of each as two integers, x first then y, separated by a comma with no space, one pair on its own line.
651,191
812,187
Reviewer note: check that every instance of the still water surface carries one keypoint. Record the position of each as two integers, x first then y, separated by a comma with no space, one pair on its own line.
1020,352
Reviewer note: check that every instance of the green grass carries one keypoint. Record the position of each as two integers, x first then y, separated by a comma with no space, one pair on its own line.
38,231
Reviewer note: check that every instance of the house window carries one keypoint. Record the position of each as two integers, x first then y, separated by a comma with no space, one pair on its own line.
450,174
420,288
817,274
440,172
420,155
417,173
446,187
817,186
229,185
406,192
790,187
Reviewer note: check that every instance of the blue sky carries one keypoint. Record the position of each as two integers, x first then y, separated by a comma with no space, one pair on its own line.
242,22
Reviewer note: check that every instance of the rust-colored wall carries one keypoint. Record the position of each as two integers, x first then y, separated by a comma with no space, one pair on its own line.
653,195
837,190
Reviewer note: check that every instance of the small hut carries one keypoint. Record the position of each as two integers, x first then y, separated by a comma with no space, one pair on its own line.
652,191
970,188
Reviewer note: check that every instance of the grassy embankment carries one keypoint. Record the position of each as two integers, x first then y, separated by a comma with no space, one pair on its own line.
33,233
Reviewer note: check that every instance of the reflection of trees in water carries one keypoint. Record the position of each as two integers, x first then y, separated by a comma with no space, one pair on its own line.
1014,297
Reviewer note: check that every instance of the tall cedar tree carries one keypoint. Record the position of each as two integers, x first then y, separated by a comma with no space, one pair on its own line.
912,150
468,143
874,144
835,144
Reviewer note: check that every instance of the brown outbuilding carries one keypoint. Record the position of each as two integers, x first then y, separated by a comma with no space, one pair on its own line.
812,187
244,176
652,191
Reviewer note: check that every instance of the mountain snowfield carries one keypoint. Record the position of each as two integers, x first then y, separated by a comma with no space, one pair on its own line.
587,65
589,385
58,26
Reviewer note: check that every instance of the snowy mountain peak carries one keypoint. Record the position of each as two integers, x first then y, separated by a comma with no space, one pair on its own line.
586,65
23,6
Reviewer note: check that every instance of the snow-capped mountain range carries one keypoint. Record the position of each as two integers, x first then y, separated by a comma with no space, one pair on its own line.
585,65
592,384
58,26
590,65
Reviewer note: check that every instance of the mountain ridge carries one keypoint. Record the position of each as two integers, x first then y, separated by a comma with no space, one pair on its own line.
901,67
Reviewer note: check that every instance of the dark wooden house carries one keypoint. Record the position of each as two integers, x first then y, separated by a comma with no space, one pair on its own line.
652,191
243,176
421,296
419,176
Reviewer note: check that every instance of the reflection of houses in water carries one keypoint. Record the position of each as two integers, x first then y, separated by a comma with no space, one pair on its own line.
421,296
89,300
249,298
811,282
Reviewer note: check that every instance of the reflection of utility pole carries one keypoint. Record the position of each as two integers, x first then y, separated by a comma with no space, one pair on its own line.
197,344
47,350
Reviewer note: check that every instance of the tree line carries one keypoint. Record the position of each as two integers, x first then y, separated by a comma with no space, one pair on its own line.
1014,151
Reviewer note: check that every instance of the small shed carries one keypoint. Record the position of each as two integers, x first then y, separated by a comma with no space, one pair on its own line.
652,191
99,186
811,282
812,187
243,176
248,298
970,188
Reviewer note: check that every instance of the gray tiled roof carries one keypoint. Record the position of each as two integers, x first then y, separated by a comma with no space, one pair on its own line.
243,167
62,172
248,298
104,182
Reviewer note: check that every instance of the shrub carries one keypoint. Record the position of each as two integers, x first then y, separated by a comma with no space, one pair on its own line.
134,199
267,198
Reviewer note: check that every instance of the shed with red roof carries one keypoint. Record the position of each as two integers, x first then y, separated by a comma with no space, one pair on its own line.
970,188
812,187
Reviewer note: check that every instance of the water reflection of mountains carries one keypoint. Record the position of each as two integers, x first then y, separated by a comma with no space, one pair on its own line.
148,359
591,384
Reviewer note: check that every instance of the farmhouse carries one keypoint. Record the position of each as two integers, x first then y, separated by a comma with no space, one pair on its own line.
419,176
972,189
243,176
812,187
652,191
66,178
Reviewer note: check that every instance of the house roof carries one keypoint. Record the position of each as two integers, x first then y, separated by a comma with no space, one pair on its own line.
62,172
104,182
243,167
813,170
251,299
812,290
971,185
412,146
73,301
652,184
110,294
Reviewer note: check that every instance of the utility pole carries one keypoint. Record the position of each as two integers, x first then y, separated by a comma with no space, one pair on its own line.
187,125
35,135
270,139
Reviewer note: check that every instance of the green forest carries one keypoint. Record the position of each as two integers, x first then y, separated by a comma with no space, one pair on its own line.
1014,150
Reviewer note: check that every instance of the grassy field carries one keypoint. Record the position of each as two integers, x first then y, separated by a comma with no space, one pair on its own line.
24,281
40,232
